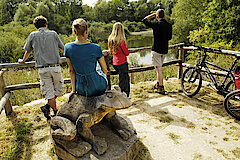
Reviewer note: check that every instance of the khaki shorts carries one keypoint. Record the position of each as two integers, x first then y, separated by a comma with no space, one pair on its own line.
157,59
51,81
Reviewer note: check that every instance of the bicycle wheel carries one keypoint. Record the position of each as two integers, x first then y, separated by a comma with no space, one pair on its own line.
232,104
230,86
191,81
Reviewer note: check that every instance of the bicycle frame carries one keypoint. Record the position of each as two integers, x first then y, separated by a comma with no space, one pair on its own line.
229,71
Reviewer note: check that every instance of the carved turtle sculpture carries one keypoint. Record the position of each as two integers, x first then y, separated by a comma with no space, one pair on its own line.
81,113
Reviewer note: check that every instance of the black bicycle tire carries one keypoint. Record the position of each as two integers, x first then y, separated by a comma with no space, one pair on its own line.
199,85
229,84
226,104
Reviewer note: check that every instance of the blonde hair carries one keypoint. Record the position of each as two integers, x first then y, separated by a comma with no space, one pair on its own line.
116,37
79,26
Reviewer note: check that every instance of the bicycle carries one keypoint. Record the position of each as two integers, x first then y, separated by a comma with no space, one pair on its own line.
191,81
232,104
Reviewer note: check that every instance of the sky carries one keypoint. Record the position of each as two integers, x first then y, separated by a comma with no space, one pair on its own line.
93,2
89,2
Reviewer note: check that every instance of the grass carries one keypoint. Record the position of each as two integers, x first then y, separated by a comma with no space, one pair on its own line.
236,152
25,129
174,137
224,154
197,156
143,154
20,139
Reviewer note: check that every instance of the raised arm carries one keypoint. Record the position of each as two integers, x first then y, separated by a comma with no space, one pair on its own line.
150,16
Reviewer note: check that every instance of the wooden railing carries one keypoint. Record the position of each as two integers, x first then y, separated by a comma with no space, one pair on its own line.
5,90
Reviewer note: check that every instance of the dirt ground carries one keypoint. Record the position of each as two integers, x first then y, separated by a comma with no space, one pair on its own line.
171,127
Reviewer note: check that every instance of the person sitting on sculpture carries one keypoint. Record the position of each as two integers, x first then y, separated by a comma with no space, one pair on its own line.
84,58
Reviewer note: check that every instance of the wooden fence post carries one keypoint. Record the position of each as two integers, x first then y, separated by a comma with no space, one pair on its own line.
4,101
180,68
106,57
8,105
132,78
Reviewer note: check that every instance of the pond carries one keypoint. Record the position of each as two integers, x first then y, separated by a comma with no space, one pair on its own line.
139,40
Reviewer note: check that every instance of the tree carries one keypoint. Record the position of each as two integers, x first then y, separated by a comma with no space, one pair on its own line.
187,17
222,18
168,6
116,10
88,12
102,11
24,14
13,36
7,10
42,9
221,24
141,11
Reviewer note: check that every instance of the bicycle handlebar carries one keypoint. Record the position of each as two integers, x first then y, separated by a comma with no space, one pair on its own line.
207,49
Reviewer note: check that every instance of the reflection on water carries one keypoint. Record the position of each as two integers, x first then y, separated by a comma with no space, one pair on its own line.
139,41
142,58
145,58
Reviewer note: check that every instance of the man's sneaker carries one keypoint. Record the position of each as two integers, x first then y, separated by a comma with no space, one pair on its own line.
54,113
46,110
156,85
161,90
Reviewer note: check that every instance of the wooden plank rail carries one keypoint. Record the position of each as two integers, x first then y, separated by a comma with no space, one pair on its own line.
68,80
226,52
140,69
28,85
4,100
63,59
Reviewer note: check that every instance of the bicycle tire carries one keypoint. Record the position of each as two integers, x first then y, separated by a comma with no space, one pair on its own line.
232,104
230,86
192,78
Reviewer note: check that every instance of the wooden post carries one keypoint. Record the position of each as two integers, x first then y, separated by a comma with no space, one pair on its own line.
8,105
180,68
132,78
106,57
4,101
131,75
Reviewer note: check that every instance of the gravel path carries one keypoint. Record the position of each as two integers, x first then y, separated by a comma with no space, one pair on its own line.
172,129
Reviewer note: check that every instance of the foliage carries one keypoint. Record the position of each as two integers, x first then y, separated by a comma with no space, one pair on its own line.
209,22
186,15
22,130
13,37
7,10
9,47
221,23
